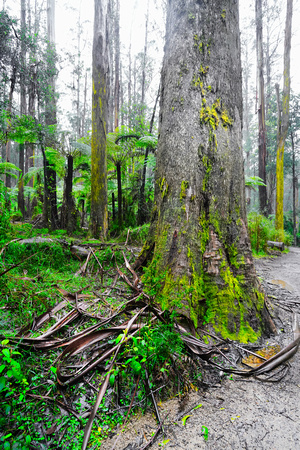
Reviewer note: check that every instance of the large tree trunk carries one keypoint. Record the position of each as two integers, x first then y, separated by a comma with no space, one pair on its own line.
99,214
202,263
283,120
262,147
117,65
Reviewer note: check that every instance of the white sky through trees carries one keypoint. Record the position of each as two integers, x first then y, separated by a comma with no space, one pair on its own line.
132,21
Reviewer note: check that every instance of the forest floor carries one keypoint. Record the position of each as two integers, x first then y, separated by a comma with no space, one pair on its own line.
234,412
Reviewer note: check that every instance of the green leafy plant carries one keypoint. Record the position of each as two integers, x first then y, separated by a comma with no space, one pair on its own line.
13,388
262,230
253,182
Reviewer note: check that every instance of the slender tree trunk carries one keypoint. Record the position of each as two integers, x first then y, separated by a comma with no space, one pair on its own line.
50,204
99,214
129,86
262,148
142,211
295,185
29,160
9,109
134,82
68,216
113,207
83,126
121,96
143,106
202,262
79,132
119,182
23,109
283,121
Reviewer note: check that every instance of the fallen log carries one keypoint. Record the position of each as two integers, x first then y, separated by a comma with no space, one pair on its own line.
273,244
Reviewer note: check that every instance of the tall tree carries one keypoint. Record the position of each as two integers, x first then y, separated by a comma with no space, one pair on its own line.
143,87
283,119
143,213
117,64
202,263
262,147
50,203
23,109
32,82
99,213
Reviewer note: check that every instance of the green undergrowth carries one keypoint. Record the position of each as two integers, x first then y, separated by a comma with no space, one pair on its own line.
28,382
261,230
30,414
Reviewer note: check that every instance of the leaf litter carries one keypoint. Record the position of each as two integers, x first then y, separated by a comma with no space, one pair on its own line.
89,331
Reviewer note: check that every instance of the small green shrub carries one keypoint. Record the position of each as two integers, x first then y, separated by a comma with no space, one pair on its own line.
4,211
261,230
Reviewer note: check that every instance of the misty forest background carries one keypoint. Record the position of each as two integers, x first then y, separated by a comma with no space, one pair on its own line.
46,116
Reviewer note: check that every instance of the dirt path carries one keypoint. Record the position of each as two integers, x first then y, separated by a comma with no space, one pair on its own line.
238,413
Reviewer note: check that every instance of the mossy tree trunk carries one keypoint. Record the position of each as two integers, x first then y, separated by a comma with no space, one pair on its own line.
99,214
283,120
117,64
68,210
50,213
261,110
119,183
202,263
23,108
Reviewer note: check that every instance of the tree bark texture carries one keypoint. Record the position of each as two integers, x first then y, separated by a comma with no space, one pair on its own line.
143,213
68,213
261,110
119,183
23,108
283,120
202,263
99,213
295,191
117,65
50,204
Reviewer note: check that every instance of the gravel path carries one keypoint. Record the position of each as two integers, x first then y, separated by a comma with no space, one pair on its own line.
237,413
